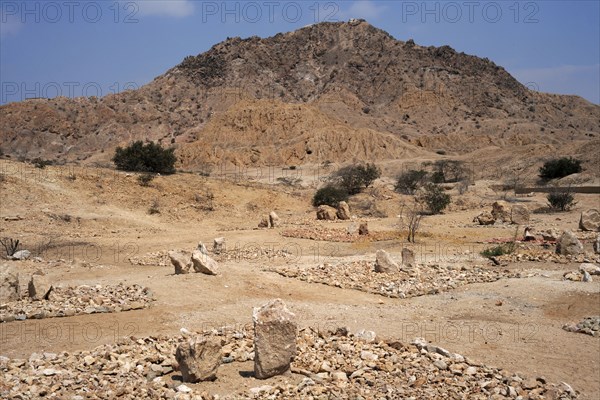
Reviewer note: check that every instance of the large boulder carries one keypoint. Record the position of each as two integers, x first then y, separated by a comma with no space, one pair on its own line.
343,210
500,211
485,218
569,245
274,219
384,263
181,261
9,285
326,213
199,359
204,264
39,287
590,220
519,214
21,255
274,339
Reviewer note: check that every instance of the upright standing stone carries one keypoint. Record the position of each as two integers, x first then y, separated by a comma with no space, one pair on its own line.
202,248
408,258
500,211
264,222
274,339
273,219
219,245
9,285
199,359
384,263
363,229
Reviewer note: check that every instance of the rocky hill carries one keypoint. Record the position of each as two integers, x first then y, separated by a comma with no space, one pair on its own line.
331,91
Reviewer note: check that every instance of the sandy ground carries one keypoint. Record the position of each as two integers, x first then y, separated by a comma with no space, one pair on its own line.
109,222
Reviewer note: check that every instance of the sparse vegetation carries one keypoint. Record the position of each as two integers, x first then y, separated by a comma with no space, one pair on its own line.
10,245
448,171
434,197
355,178
410,219
559,168
206,200
561,199
154,207
408,182
500,250
329,195
41,163
145,179
149,157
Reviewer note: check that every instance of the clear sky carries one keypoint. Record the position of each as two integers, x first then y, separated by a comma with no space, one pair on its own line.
75,47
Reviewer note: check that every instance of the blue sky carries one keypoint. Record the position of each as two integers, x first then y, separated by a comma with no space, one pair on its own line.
76,47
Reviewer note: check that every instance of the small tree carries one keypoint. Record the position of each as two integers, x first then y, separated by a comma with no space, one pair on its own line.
448,171
410,218
559,168
145,179
355,178
329,195
10,245
561,200
409,181
149,157
434,197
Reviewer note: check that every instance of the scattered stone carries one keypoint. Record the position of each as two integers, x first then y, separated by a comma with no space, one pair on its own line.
366,336
485,218
274,339
596,245
519,214
343,210
363,229
199,359
9,285
586,277
529,236
204,263
181,261
384,263
39,287
408,258
592,269
590,220
550,235
568,244
219,245
21,255
326,213
589,326
274,219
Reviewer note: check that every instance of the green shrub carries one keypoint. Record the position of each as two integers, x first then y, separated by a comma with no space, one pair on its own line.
435,198
355,178
561,200
329,195
149,157
559,168
498,250
409,181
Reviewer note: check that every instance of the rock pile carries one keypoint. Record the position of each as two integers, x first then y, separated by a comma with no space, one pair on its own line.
341,235
589,326
502,213
421,280
77,300
329,365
